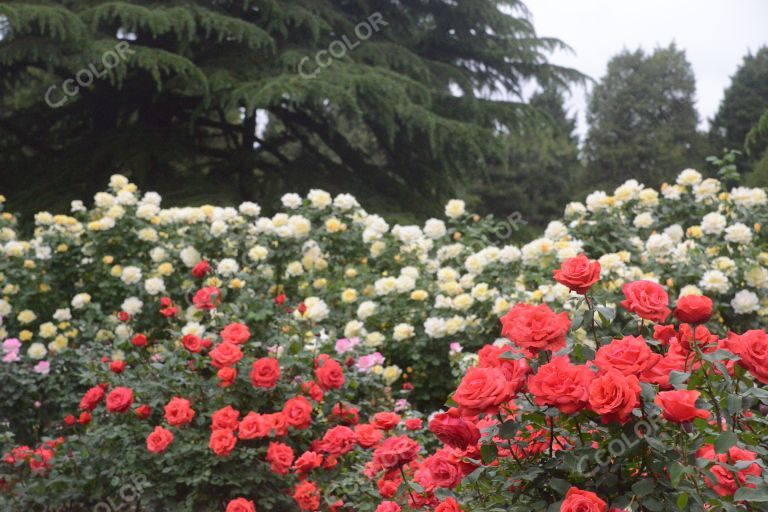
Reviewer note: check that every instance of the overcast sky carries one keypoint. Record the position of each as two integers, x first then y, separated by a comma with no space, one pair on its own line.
715,34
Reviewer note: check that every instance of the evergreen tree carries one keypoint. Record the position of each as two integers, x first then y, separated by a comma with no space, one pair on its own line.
256,96
537,180
642,119
745,99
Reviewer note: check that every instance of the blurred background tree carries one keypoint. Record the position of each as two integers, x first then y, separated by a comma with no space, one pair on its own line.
642,120
224,100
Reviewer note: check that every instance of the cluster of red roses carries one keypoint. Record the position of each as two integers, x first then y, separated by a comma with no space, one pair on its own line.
608,386
38,459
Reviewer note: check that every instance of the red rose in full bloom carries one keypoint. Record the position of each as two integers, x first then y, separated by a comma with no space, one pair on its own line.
613,396
631,355
280,458
207,298
442,470
680,405
693,309
752,348
178,412
201,269
329,373
226,376
368,435
516,369
307,496
240,505
313,390
307,462
577,500
345,414
699,334
92,398
728,482
277,423
236,333
578,273
449,505
535,327
561,384
647,300
337,441
84,418
192,343
225,354
119,399
253,426
143,411
222,442
139,340
395,452
386,420
159,440
414,424
664,333
453,430
388,506
117,366
225,418
298,412
265,372
483,390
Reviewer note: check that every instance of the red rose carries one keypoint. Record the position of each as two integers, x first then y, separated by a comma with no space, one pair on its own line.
117,366
368,435
561,384
240,505
307,462
265,372
307,496
85,418
222,442
313,390
192,343
577,500
236,333
752,348
329,374
630,355
483,390
647,300
395,452
178,412
578,273
225,354
680,405
693,309
453,430
700,334
70,420
728,482
280,458
201,269
337,441
535,327
277,423
516,369
253,426
414,424
139,340
664,333
388,506
143,411
92,398
225,418
386,420
207,298
613,396
226,376
298,412
449,505
345,414
159,440
442,470
119,399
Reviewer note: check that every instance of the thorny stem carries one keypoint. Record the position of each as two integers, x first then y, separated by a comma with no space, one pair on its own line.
407,485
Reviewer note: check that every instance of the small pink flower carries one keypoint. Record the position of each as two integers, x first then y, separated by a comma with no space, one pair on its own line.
11,357
455,348
366,363
11,345
344,345
43,367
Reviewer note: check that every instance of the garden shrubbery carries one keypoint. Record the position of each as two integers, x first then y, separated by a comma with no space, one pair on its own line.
213,358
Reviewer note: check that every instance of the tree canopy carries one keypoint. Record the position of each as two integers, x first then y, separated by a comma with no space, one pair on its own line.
404,99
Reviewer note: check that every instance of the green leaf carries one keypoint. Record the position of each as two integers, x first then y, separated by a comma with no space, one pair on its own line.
759,494
682,500
488,453
644,487
725,441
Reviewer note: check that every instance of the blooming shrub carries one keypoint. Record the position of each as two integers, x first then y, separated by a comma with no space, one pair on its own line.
190,343
663,415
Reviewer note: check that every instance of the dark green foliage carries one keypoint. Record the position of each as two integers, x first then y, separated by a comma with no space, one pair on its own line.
209,102
746,99
642,119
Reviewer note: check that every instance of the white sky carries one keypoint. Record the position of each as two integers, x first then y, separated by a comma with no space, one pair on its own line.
715,34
